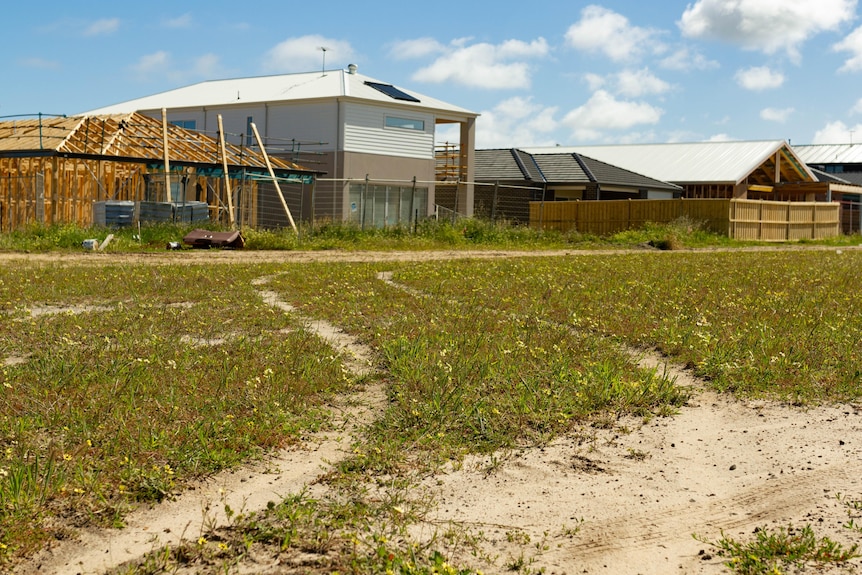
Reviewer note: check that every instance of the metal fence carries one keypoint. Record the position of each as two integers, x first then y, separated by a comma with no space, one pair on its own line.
851,217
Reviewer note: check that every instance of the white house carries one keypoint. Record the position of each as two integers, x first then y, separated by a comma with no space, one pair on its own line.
373,141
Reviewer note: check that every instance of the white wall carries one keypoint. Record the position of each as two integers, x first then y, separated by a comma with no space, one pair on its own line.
365,132
305,123
364,129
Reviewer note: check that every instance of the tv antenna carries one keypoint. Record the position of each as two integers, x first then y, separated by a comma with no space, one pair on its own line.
323,66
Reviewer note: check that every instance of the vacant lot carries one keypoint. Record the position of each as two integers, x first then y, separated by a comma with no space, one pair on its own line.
315,413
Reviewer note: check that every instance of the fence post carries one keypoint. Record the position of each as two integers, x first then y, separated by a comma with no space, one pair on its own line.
494,201
412,202
364,202
542,210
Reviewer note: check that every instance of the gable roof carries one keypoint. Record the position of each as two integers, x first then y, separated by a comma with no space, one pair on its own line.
557,168
693,163
124,137
830,153
307,86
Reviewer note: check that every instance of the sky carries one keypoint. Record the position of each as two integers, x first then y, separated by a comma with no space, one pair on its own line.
540,73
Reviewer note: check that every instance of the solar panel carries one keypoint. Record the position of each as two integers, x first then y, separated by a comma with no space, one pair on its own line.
392,91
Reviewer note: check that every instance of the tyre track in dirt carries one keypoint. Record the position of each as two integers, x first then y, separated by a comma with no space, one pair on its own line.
202,506
593,507
631,502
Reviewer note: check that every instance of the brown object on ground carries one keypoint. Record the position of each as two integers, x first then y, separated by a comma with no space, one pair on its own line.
207,239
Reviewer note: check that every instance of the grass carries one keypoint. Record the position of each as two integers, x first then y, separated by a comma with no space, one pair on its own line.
775,551
105,409
119,383
754,323
427,235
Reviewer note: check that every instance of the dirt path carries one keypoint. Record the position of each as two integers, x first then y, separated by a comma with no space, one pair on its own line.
618,503
249,488
636,499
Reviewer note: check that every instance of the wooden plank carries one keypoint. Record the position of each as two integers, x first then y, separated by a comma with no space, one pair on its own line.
167,155
272,175
223,154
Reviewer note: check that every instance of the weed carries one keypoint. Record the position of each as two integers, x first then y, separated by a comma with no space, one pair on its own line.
771,551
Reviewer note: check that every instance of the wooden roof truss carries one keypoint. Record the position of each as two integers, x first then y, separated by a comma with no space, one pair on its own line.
780,167
128,137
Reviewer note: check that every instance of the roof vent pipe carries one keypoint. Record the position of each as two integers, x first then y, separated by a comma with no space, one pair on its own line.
351,68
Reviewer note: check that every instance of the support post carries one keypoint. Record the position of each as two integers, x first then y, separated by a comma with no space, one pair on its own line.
274,179
167,155
228,191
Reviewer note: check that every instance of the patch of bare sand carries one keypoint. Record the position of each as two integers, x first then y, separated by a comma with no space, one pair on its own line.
631,502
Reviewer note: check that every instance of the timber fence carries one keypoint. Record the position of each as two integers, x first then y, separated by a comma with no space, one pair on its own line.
754,220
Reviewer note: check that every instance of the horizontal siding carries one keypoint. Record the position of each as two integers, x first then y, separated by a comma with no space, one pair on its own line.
364,132
307,124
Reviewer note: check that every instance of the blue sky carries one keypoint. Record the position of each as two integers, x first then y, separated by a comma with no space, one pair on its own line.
539,72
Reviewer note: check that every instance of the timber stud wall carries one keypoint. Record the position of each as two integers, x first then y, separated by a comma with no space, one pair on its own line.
739,219
56,190
51,190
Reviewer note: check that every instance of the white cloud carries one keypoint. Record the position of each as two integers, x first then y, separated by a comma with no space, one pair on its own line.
605,31
150,63
759,78
595,81
857,109
838,133
38,63
720,138
769,26
207,66
635,83
604,112
513,122
629,83
417,48
304,54
485,65
183,21
103,26
684,59
852,44
776,115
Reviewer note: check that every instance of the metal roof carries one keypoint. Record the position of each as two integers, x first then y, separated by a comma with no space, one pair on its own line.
132,137
830,153
307,86
691,163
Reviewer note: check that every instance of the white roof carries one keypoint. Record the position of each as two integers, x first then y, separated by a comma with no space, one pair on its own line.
281,88
830,153
691,163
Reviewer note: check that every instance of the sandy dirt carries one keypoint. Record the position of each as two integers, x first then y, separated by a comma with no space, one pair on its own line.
626,500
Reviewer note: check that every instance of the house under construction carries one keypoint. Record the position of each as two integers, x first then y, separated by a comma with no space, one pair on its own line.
58,169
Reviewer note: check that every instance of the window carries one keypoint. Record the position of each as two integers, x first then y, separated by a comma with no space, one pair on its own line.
406,123
187,124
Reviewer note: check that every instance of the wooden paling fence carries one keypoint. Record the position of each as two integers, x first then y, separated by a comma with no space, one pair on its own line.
740,219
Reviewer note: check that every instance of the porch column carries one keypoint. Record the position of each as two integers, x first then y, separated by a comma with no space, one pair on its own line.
467,167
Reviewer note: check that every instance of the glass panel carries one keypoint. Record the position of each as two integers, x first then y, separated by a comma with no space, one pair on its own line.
354,213
407,123
378,218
